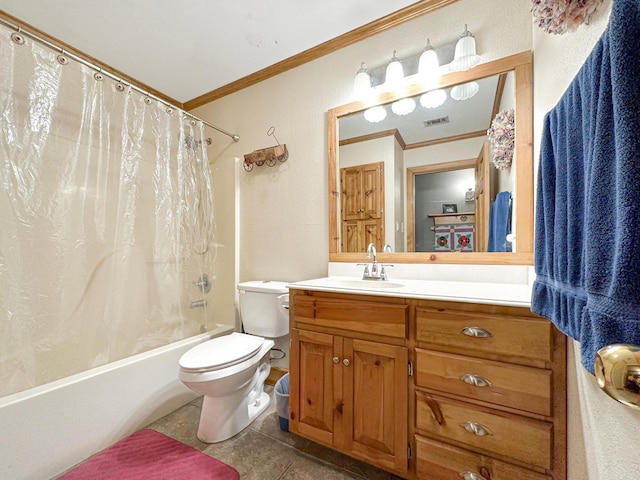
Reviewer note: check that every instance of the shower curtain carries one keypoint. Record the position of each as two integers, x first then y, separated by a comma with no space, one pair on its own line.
106,218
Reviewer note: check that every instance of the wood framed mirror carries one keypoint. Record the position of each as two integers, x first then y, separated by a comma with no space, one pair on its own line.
383,208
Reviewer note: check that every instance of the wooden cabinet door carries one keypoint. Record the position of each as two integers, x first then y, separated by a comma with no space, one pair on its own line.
372,233
375,400
352,240
357,234
316,385
351,179
372,193
362,207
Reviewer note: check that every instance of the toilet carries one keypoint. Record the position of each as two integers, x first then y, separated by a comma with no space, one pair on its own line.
230,371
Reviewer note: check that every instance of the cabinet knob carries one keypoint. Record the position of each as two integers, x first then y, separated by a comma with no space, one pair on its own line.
476,332
472,476
476,428
476,380
346,362
336,360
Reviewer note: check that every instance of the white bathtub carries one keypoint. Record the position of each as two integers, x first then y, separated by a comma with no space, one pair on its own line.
48,429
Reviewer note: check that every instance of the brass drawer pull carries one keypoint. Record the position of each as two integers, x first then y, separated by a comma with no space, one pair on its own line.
472,476
475,380
476,428
476,332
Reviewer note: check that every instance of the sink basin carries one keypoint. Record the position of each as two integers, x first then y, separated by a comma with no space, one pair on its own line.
366,284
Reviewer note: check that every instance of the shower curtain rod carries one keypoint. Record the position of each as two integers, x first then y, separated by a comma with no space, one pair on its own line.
91,65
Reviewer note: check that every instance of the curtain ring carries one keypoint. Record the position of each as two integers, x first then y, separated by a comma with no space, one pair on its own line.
62,58
17,37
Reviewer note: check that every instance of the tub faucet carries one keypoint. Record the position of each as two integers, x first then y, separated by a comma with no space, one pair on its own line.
198,304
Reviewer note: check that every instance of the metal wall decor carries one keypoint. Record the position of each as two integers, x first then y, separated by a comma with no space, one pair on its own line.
270,155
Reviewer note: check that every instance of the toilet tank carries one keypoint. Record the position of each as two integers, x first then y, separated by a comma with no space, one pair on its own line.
264,308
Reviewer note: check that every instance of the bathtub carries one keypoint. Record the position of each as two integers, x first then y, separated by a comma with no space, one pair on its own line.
48,429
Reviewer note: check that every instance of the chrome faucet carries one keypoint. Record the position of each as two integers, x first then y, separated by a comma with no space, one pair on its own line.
374,265
375,273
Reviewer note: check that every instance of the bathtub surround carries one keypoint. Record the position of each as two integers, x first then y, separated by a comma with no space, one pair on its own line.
108,221
78,416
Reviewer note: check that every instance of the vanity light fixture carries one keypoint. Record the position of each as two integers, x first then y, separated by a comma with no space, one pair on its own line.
464,91
361,83
375,114
428,64
433,99
465,55
395,73
404,106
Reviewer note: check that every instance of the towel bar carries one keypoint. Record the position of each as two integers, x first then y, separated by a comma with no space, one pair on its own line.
617,369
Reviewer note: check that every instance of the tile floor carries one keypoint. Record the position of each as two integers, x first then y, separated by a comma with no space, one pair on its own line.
264,452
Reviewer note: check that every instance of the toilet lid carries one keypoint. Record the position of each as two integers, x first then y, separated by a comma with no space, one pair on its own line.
220,352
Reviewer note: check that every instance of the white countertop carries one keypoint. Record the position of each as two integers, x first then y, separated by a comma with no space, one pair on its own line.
472,292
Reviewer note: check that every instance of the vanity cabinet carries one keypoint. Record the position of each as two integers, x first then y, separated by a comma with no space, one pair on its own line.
430,389
489,393
349,376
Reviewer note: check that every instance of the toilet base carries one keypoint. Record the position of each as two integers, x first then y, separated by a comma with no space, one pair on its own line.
238,414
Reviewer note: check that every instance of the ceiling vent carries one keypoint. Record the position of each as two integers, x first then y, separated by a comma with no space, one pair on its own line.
436,121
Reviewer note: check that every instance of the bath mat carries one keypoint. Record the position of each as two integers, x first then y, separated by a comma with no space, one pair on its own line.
149,454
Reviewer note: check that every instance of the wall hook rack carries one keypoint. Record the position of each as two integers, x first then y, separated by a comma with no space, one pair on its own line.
270,155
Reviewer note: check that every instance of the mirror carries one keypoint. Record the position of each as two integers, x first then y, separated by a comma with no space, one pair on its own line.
413,181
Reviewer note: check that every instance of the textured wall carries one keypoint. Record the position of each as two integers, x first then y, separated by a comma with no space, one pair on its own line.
284,209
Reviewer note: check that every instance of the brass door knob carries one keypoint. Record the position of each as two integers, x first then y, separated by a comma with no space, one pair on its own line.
617,369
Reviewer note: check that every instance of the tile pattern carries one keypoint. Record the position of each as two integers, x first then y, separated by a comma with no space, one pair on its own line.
264,452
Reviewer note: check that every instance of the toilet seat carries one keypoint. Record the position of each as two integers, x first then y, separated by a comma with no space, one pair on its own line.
220,352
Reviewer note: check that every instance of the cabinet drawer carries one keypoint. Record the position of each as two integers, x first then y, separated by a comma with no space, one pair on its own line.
474,333
512,436
515,386
439,461
377,318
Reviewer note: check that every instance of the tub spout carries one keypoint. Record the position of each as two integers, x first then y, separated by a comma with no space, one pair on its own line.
198,304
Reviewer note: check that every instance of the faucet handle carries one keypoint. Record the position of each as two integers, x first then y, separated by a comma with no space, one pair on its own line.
365,274
383,271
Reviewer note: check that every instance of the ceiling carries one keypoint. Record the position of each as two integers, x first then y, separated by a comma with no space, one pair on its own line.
187,49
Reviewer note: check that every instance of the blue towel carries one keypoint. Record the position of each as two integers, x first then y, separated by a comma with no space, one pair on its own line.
500,223
587,240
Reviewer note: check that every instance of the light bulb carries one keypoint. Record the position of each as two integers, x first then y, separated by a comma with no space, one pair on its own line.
428,64
375,114
464,91
465,55
395,73
404,106
361,83
433,99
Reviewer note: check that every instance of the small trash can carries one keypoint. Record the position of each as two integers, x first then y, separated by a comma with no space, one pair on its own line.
282,402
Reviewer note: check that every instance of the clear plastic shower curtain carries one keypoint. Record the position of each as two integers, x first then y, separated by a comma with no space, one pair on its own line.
106,219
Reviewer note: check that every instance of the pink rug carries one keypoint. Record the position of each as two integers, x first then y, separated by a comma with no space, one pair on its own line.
149,454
